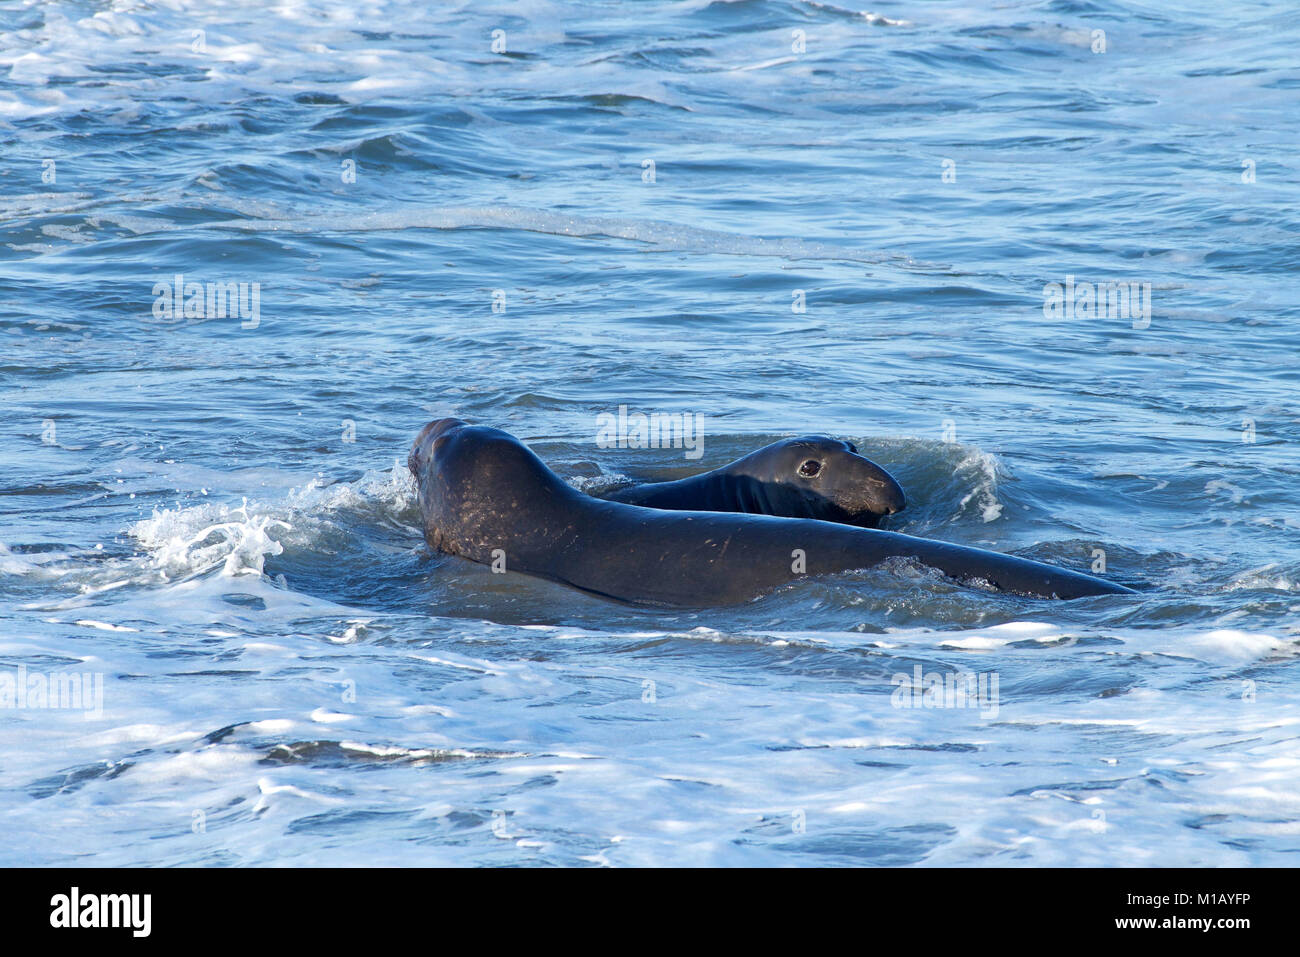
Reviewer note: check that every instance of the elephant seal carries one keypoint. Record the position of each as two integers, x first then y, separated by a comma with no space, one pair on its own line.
812,476
486,497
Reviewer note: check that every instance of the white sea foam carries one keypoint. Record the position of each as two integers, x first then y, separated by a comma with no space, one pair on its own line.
979,471
194,539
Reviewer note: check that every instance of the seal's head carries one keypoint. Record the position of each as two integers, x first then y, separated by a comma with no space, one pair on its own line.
826,479
482,489
422,447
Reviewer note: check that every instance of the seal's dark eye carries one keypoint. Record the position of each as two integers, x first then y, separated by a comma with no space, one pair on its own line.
810,468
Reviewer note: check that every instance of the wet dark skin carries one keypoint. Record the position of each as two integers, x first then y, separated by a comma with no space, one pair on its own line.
485,496
812,476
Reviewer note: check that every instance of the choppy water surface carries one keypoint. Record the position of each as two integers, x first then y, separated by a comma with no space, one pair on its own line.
210,514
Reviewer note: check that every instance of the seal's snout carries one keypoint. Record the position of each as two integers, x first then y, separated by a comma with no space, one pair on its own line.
892,499
883,495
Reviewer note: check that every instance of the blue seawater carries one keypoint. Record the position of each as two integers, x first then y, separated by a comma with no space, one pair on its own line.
782,216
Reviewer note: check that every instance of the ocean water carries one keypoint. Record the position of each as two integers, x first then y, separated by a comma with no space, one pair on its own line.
782,216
